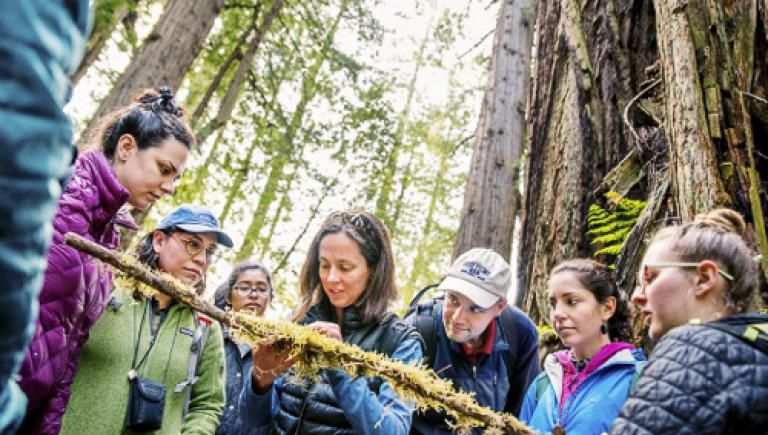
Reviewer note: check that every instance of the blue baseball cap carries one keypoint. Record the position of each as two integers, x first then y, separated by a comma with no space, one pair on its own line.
195,219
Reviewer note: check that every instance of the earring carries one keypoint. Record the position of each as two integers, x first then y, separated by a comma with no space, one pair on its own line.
604,329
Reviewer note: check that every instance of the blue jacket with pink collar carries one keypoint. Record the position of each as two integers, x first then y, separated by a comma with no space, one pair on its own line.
592,406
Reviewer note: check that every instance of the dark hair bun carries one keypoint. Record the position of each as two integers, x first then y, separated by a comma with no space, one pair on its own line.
159,101
723,219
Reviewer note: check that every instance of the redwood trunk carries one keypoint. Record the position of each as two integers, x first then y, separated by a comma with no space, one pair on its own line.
490,199
167,52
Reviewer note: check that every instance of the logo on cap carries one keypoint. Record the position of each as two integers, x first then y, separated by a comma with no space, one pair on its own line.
475,270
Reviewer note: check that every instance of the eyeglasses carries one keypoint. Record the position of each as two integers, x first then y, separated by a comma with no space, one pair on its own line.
194,247
641,280
245,289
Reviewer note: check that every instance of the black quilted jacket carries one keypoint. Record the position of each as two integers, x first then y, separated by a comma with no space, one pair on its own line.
700,380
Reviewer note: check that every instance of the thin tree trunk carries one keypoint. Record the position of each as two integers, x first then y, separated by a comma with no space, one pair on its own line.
235,190
283,158
100,35
235,55
282,205
327,189
427,233
167,52
236,84
390,167
490,206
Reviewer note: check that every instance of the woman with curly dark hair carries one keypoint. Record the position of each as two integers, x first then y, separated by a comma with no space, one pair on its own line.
583,388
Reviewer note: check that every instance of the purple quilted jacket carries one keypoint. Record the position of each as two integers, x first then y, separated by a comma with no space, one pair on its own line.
75,290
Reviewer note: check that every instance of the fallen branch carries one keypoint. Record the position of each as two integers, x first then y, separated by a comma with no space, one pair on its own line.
313,351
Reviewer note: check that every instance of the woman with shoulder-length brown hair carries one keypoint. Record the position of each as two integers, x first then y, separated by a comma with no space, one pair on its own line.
347,283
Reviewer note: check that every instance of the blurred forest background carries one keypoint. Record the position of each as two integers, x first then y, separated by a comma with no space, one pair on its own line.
303,108
546,130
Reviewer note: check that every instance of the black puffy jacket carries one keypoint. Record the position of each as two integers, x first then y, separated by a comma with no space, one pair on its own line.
700,380
311,407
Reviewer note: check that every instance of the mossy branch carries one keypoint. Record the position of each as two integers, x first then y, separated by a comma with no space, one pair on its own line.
313,351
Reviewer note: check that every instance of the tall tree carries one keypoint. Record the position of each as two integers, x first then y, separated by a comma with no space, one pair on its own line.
235,87
593,61
383,204
491,196
648,99
107,15
167,52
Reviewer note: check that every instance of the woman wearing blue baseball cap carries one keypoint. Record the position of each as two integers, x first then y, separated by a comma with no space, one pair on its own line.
153,364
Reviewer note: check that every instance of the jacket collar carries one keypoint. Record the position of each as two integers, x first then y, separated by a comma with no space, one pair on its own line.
324,311
243,348
554,369
112,196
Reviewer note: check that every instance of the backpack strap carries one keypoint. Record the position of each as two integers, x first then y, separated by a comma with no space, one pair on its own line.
639,367
202,325
425,321
542,383
508,330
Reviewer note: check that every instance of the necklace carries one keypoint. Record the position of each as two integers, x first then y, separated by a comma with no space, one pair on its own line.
579,364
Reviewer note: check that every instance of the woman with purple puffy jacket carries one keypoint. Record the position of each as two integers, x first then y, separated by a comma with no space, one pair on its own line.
144,150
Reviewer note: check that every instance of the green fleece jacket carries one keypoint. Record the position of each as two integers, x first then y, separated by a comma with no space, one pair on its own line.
100,388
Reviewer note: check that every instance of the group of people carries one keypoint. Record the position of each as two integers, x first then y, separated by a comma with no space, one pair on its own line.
107,358
115,360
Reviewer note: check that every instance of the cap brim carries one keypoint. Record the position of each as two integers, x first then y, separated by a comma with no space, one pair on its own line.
222,237
474,293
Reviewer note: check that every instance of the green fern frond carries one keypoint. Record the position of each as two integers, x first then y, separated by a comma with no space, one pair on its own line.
611,228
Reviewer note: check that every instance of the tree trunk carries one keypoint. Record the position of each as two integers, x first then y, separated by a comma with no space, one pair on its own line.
167,52
490,206
107,16
235,55
236,84
288,148
707,121
586,73
687,120
690,127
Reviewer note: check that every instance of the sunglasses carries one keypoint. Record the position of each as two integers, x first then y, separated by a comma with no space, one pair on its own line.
644,271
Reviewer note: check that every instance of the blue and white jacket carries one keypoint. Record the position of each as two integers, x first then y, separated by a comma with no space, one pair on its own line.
592,407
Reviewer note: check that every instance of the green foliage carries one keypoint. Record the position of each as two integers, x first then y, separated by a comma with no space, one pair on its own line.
610,227
545,330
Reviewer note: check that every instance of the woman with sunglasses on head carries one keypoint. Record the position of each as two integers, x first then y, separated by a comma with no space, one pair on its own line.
152,364
249,287
705,375
582,388
347,283
142,150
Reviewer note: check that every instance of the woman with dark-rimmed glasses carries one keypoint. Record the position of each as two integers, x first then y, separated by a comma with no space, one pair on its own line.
347,284
707,373
248,287
152,364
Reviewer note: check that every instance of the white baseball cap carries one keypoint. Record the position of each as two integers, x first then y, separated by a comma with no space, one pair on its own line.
481,275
